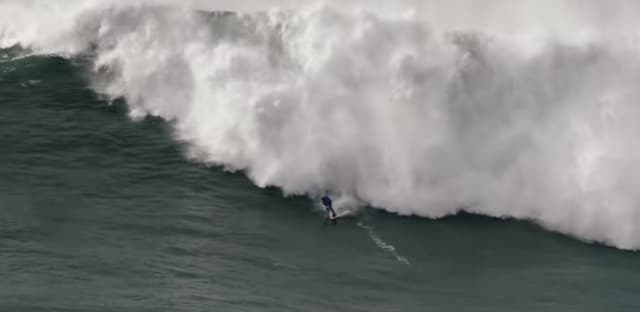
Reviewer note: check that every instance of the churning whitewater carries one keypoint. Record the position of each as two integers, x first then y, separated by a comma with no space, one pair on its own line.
390,110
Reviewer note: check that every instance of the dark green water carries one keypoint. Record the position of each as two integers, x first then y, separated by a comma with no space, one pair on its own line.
100,213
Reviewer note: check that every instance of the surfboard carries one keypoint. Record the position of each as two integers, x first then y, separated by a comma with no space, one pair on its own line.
332,220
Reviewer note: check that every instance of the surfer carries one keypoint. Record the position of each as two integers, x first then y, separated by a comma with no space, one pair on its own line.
326,201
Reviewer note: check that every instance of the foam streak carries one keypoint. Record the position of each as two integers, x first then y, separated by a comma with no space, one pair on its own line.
523,122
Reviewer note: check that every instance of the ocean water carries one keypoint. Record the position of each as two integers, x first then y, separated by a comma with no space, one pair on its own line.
169,158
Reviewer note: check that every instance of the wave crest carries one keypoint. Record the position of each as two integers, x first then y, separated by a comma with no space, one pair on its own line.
384,109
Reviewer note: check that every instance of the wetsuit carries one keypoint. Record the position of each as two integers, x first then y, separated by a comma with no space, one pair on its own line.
326,201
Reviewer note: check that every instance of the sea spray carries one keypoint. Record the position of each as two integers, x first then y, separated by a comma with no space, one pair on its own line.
387,109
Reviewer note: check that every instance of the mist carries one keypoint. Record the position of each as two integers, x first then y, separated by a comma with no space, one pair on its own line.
521,111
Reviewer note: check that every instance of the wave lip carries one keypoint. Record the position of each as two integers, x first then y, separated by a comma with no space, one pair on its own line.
385,109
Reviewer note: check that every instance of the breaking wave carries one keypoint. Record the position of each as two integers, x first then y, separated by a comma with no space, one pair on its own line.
395,111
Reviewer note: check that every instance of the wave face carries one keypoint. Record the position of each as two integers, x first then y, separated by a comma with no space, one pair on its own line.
392,111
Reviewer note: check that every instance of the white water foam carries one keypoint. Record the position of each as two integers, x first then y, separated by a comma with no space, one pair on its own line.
531,115
382,244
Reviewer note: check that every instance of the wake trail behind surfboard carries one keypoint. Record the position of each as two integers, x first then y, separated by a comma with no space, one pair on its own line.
382,244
